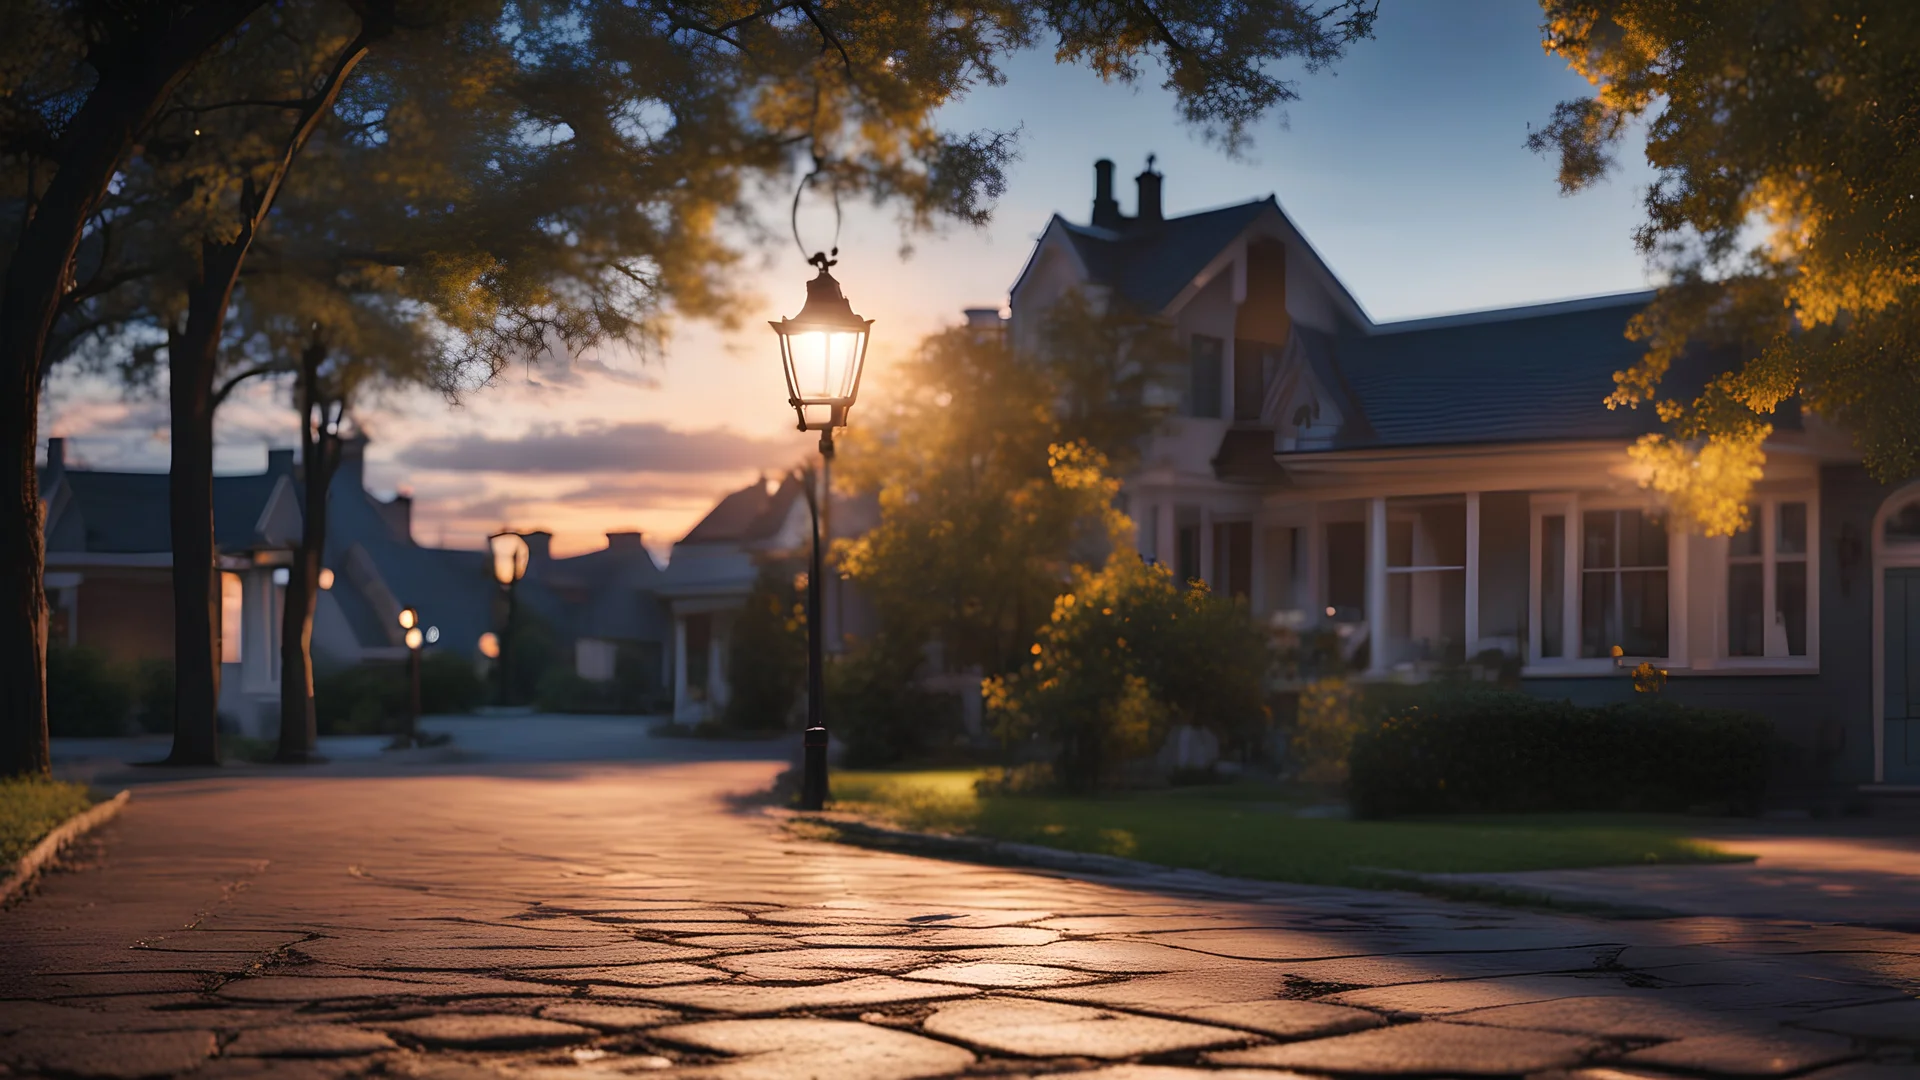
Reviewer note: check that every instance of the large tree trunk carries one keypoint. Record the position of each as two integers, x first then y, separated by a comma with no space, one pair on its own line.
319,454
192,357
137,74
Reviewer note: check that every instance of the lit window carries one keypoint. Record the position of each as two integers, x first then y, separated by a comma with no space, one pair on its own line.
1767,582
232,603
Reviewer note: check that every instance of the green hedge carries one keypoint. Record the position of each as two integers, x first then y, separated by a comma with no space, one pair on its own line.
90,695
371,698
1500,751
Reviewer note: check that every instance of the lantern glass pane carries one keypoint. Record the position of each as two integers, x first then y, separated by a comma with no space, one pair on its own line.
824,363
817,416
509,557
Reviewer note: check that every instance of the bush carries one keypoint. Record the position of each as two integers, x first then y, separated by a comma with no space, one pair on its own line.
1128,655
768,654
877,709
1331,716
634,688
88,695
371,698
1470,750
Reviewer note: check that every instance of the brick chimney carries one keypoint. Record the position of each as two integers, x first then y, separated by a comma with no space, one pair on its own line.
1149,202
1106,212
628,540
56,455
279,461
538,547
399,514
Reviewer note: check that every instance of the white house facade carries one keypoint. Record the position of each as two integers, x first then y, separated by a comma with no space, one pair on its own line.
1444,487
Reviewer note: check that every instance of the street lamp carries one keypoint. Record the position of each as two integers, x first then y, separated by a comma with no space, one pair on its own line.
410,622
822,349
510,553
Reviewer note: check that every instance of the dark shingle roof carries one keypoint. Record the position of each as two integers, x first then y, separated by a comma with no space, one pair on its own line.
1504,378
748,515
1150,264
129,512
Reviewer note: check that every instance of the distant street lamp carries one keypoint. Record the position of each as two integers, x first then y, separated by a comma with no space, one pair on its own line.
510,554
410,622
822,349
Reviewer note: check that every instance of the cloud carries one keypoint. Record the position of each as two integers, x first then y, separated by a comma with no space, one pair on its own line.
620,448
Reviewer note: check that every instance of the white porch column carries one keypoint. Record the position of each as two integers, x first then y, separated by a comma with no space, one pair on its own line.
1470,629
716,676
1377,586
1206,546
1257,583
679,664
1306,590
1166,543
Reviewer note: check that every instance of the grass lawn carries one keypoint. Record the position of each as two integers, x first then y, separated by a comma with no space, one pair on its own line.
29,810
1250,831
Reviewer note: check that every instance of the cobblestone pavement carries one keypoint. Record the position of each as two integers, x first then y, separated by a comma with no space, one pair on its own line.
576,924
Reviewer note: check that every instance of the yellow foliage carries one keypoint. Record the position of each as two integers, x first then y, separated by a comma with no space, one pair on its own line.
1708,485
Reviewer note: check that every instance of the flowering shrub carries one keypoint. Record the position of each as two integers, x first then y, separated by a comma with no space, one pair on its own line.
1127,655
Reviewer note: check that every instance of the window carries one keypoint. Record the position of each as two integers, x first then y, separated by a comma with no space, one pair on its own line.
1347,570
1426,581
1251,359
1187,555
1767,582
1205,357
1904,526
1553,586
1623,583
232,603
1233,558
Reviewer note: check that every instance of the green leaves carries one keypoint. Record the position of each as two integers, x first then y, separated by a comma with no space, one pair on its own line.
1785,216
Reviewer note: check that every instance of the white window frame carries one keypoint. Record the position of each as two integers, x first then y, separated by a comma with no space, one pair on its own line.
1769,500
1572,505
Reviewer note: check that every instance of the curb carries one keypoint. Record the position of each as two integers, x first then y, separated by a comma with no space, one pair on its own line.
853,829
860,832
54,842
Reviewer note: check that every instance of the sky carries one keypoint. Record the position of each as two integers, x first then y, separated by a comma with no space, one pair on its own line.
1404,166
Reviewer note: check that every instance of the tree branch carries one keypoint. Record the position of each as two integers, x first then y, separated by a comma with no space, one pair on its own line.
828,35
1160,26
232,384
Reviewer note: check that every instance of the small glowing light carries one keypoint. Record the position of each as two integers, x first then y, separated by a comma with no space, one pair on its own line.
490,645
413,638
326,578
196,131
433,634
1329,611
281,576
408,617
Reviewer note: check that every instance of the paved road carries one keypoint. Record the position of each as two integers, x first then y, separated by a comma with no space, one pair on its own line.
594,921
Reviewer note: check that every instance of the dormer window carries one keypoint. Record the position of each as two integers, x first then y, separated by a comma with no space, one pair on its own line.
1206,357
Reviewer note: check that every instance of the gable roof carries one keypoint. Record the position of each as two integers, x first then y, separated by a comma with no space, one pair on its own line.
1150,264
129,512
748,516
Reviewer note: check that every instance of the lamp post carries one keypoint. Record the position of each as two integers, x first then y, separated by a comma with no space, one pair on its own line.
410,622
510,552
822,349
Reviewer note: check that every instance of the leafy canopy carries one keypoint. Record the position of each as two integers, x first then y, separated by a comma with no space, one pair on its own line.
992,473
1786,216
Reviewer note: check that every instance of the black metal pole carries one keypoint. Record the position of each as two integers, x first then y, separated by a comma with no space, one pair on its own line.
813,777
413,695
506,635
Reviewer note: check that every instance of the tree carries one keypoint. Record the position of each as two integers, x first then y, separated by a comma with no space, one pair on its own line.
80,83
990,489
699,98
1127,654
1787,140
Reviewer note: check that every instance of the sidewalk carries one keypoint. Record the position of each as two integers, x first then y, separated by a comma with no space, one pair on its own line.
1865,880
598,921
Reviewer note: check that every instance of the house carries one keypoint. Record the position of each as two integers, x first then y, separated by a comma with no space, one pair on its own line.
109,580
1449,486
